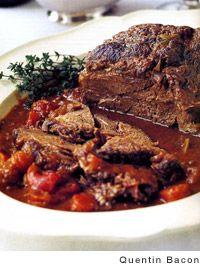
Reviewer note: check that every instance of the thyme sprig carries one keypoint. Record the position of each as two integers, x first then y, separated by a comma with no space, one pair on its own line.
46,75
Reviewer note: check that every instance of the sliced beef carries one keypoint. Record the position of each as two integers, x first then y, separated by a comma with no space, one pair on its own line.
50,152
128,144
108,127
125,149
24,134
125,143
138,180
167,168
151,71
133,185
73,122
109,181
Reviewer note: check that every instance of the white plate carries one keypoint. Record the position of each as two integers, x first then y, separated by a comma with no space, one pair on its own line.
143,228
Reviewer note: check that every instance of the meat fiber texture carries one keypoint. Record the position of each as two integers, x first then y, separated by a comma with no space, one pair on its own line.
151,71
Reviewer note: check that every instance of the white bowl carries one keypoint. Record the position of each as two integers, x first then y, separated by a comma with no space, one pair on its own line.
171,226
74,6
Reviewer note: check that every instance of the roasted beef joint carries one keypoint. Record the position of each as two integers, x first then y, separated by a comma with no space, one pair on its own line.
151,71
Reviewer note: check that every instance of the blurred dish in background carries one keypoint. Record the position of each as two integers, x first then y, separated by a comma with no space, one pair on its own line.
67,11
9,3
181,4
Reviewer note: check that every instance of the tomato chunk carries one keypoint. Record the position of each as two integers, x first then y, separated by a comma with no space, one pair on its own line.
69,188
33,118
44,107
21,161
83,202
39,111
41,180
175,192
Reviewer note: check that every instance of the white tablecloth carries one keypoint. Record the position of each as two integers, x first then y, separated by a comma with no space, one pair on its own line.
29,21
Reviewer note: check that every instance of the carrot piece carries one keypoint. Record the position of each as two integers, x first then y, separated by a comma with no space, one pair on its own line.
3,157
83,202
21,161
175,192
11,170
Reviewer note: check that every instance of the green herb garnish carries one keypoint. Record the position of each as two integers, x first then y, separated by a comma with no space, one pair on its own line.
45,76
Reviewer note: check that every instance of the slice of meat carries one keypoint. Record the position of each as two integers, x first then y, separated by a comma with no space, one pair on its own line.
127,144
167,168
151,71
50,152
109,181
24,134
112,127
108,127
125,149
73,122
49,158
135,185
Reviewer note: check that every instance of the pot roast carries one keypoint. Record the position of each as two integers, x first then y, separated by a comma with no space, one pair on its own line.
151,71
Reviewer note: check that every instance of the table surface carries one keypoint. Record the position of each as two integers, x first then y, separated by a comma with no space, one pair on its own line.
29,21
